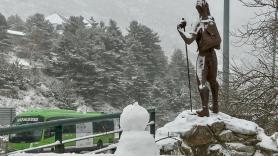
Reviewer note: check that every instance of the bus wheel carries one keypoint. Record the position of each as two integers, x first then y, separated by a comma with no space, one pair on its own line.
99,144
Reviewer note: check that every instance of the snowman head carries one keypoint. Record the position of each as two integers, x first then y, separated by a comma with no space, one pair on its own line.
134,118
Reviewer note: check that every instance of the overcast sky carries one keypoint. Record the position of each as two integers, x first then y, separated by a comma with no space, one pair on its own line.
161,15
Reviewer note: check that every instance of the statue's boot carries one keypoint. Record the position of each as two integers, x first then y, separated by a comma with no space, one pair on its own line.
205,98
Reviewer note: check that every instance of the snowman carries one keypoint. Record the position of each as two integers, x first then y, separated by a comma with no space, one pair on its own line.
135,141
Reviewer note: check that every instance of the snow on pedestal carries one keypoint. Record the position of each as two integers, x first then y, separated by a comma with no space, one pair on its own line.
135,141
216,133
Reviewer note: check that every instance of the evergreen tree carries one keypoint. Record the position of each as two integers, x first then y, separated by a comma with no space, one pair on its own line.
139,88
15,23
40,36
150,56
178,74
92,57
4,40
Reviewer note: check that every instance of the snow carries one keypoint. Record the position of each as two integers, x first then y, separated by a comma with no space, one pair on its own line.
134,114
87,23
266,141
274,137
167,144
12,58
137,143
219,148
134,140
26,100
18,33
241,126
187,120
55,19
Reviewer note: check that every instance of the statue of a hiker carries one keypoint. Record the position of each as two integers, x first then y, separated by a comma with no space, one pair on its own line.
208,39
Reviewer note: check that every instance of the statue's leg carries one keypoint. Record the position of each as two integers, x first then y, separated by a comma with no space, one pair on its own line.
201,72
212,79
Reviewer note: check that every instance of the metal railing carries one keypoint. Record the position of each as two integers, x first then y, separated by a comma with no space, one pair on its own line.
65,141
58,124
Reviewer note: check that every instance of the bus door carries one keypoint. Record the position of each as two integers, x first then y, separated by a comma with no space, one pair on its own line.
84,129
116,127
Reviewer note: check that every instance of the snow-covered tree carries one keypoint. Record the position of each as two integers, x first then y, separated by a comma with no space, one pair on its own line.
4,39
40,37
16,23
254,87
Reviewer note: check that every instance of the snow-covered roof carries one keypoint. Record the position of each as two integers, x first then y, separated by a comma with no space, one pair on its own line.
56,19
17,33
87,23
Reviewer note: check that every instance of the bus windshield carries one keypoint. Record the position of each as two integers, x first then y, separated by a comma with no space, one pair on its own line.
28,136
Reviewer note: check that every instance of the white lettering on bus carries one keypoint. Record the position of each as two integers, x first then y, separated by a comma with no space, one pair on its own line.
27,120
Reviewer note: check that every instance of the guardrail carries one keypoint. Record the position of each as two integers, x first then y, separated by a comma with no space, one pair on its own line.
65,141
58,124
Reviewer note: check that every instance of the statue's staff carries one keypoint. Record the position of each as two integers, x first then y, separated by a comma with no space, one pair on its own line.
183,25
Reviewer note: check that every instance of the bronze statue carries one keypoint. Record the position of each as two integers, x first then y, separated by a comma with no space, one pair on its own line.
208,39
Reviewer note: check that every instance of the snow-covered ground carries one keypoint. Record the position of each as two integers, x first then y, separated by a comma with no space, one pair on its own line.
12,58
27,99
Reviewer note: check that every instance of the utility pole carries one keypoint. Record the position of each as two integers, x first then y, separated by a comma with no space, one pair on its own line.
274,50
226,53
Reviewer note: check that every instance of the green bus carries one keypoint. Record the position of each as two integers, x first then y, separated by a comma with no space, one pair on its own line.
39,137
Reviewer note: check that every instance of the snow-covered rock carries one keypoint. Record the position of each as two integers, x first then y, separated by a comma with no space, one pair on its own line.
266,142
187,120
219,134
135,141
274,137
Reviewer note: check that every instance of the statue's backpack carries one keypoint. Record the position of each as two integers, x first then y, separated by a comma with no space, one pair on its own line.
209,36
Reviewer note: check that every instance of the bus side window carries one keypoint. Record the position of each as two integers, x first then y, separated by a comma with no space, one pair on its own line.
69,129
103,126
48,133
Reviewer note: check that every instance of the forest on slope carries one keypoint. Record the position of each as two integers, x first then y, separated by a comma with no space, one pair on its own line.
74,65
